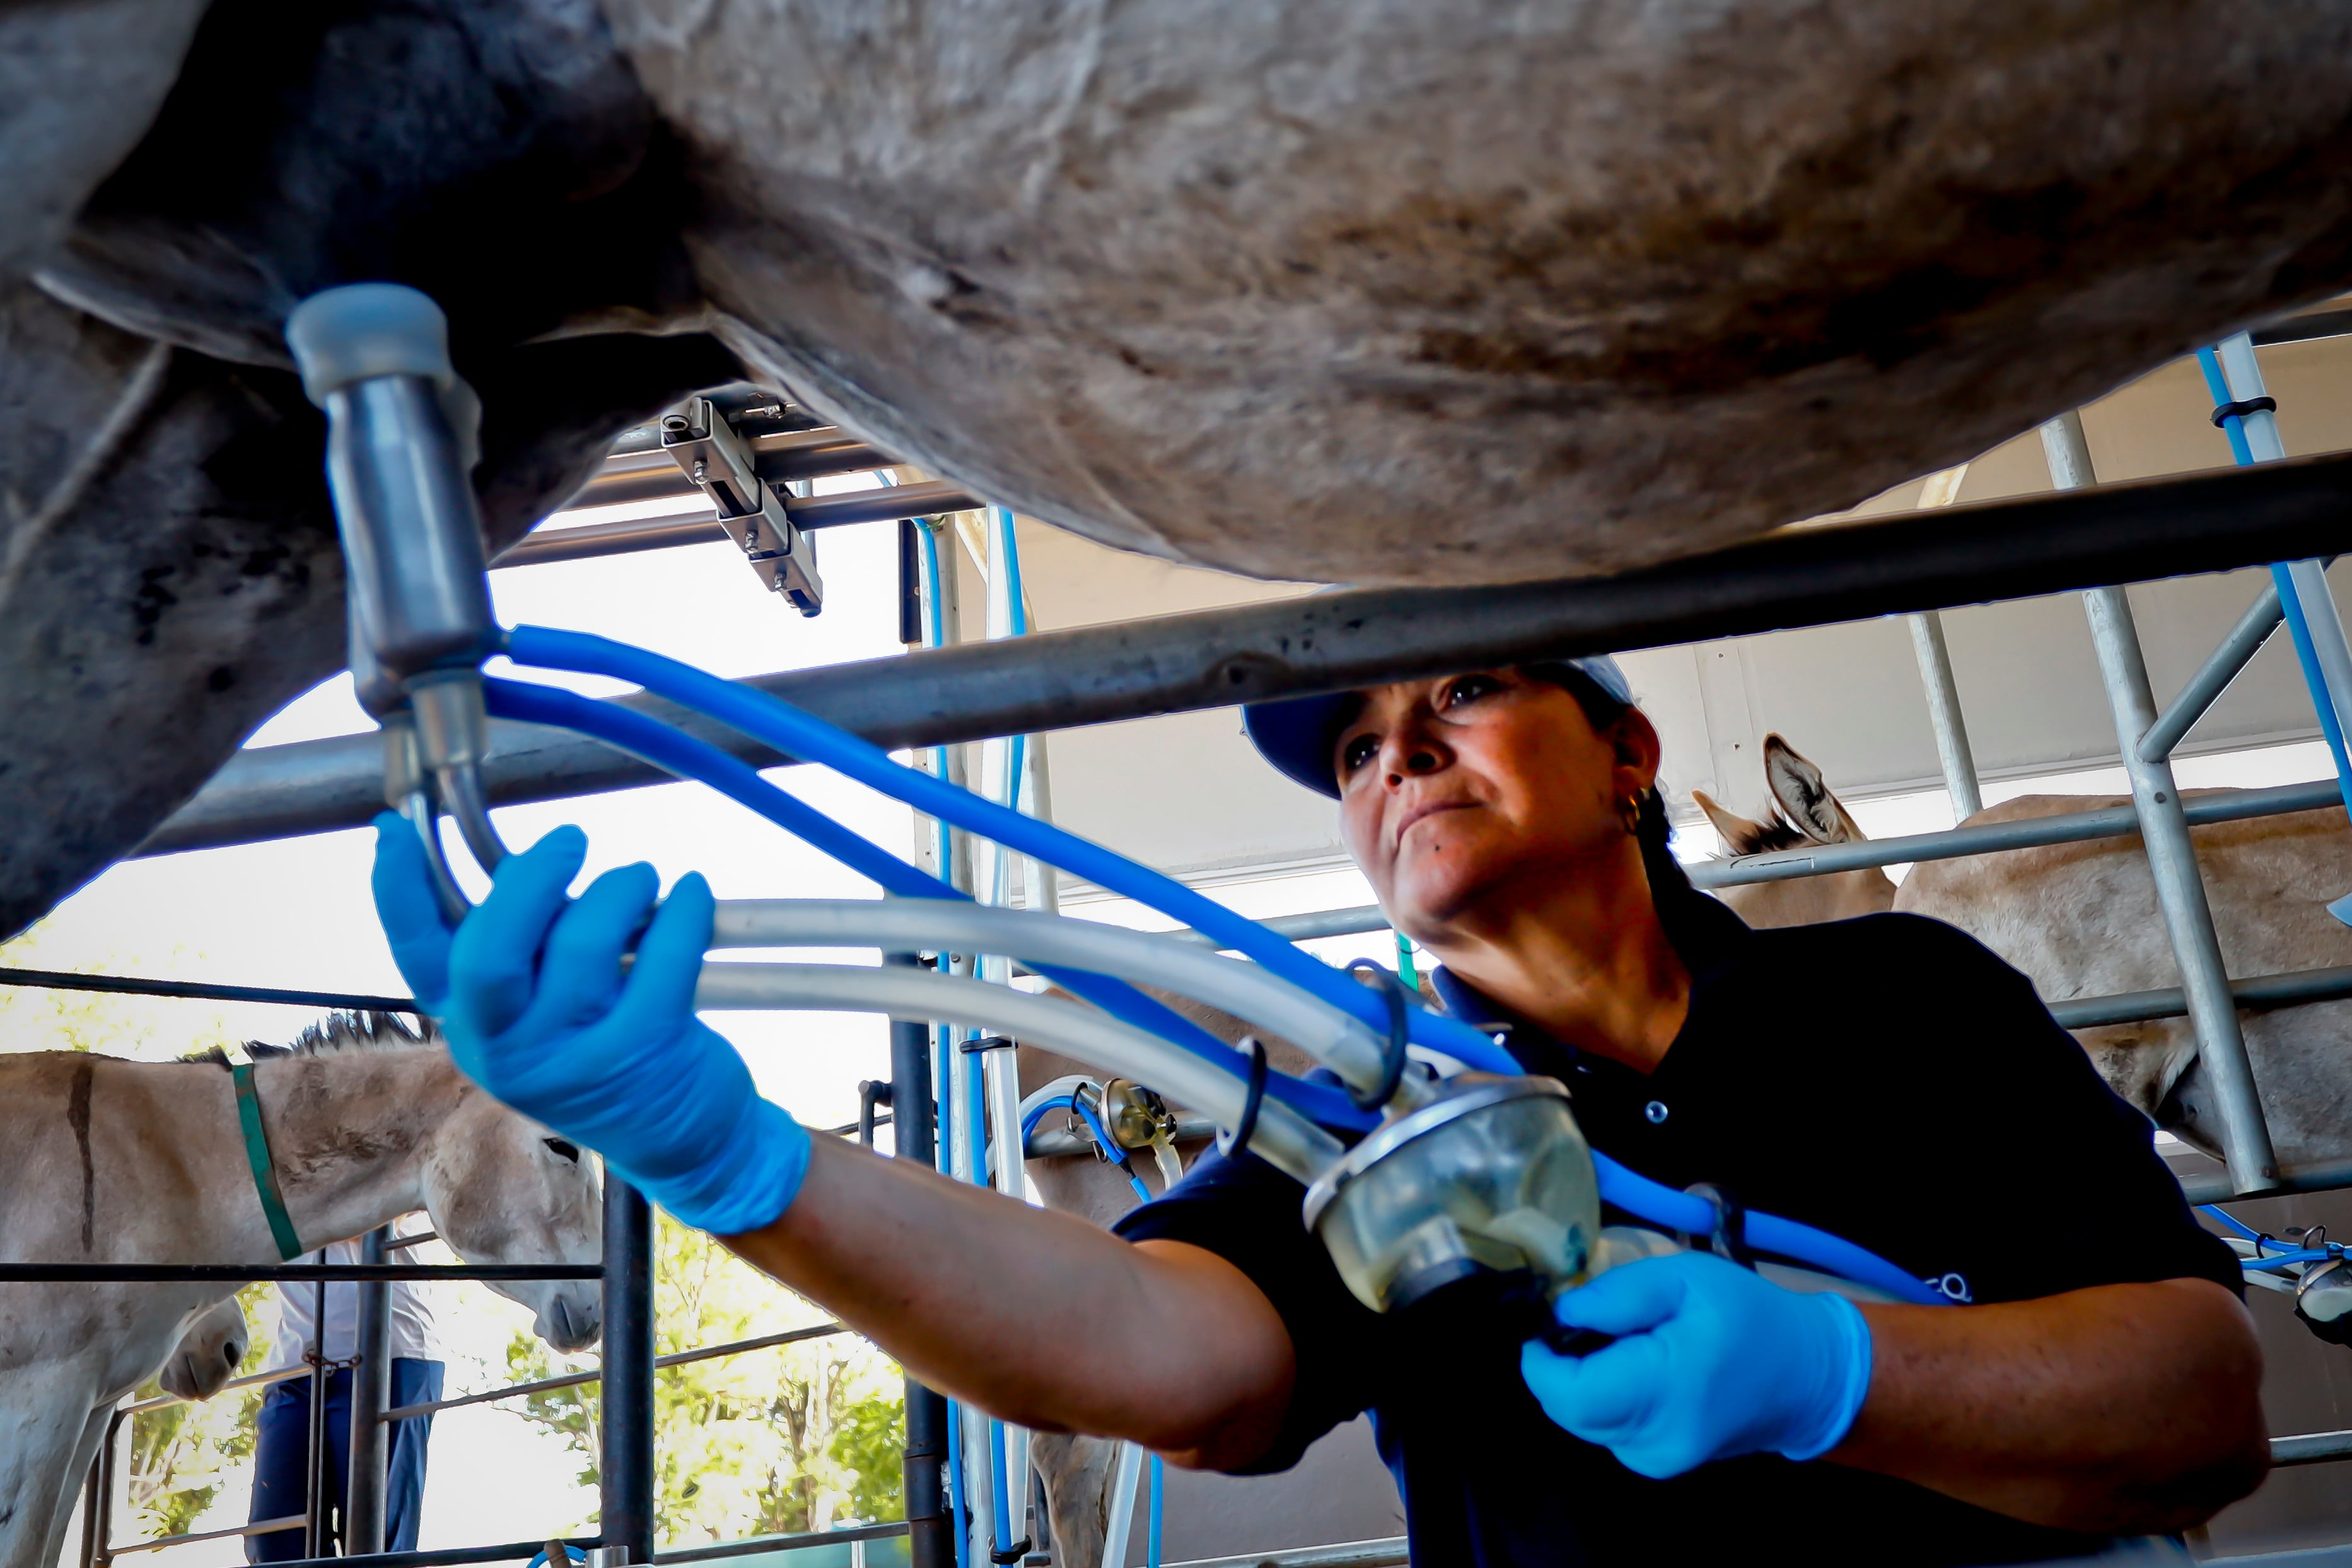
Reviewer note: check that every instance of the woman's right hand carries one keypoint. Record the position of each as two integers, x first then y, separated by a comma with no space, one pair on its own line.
537,1009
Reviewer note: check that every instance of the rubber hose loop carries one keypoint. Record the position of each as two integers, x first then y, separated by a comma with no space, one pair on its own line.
1253,1096
1730,1241
2242,407
1392,990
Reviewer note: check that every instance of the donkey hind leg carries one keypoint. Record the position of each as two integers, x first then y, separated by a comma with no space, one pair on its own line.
85,1453
45,1416
1078,1472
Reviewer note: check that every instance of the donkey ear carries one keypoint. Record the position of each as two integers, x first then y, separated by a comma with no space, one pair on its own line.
1740,836
1804,796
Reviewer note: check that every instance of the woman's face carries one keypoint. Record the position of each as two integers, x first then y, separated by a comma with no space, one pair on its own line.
1476,787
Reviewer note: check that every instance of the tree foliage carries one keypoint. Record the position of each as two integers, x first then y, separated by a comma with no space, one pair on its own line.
795,1438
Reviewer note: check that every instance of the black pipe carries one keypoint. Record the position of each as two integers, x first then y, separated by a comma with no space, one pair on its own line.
371,1397
626,1478
870,1094
90,1541
931,1529
910,583
1339,642
110,1456
246,1273
134,986
315,1501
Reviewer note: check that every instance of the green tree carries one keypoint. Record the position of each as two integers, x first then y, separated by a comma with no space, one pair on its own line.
794,1437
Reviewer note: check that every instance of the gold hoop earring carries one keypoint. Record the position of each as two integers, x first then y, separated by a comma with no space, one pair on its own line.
1629,814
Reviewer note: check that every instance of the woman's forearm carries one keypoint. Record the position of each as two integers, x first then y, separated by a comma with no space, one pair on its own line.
1037,1317
2121,1409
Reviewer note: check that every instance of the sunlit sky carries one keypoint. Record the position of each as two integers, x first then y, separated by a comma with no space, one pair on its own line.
295,913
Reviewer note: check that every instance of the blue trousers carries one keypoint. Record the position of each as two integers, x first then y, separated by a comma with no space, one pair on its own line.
281,1459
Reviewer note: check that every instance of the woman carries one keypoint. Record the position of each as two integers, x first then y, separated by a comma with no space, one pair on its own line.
1887,1079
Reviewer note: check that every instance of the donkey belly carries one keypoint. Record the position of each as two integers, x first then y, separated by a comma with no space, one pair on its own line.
1473,291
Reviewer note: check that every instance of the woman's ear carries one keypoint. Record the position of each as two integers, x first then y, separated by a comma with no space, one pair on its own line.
1634,744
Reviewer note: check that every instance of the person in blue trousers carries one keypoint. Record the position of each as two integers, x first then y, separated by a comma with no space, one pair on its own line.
282,1445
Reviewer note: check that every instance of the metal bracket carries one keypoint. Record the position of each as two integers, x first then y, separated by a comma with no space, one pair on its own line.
699,440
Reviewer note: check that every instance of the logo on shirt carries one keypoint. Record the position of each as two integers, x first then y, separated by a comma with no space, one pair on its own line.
1951,1287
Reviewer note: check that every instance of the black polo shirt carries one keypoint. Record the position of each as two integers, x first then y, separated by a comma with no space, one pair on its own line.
1887,1079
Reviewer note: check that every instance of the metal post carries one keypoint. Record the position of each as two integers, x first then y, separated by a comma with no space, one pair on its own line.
2204,688
1944,713
315,1479
2171,858
910,584
626,1476
1118,1523
363,1485
2180,894
930,1532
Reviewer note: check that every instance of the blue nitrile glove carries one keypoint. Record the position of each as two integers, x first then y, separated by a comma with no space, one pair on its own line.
1711,1362
538,1010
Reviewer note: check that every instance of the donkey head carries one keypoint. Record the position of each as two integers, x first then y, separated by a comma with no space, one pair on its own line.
503,1190
1804,812
208,1353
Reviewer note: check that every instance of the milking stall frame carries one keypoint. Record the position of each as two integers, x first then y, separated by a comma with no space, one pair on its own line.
2084,538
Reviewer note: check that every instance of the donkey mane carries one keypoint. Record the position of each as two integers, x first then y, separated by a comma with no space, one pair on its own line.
338,1034
1772,835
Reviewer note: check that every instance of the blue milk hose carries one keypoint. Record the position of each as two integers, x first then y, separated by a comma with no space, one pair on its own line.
802,736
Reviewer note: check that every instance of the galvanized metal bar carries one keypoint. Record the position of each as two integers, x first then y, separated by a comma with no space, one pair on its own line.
443,1557
315,1534
2296,988
1944,713
2213,676
2312,1176
2310,1449
626,1472
575,1379
258,1527
369,1447
700,525
2180,894
1339,642
2171,858
2030,832
753,1544
283,1374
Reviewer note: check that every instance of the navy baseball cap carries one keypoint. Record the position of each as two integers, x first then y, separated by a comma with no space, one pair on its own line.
1295,734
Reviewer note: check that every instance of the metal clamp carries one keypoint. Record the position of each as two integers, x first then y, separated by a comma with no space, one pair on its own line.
701,442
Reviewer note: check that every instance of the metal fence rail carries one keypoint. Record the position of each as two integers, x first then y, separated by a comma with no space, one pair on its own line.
574,1379
1339,642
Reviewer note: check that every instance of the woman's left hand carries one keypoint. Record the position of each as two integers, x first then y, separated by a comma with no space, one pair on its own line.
1711,1361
